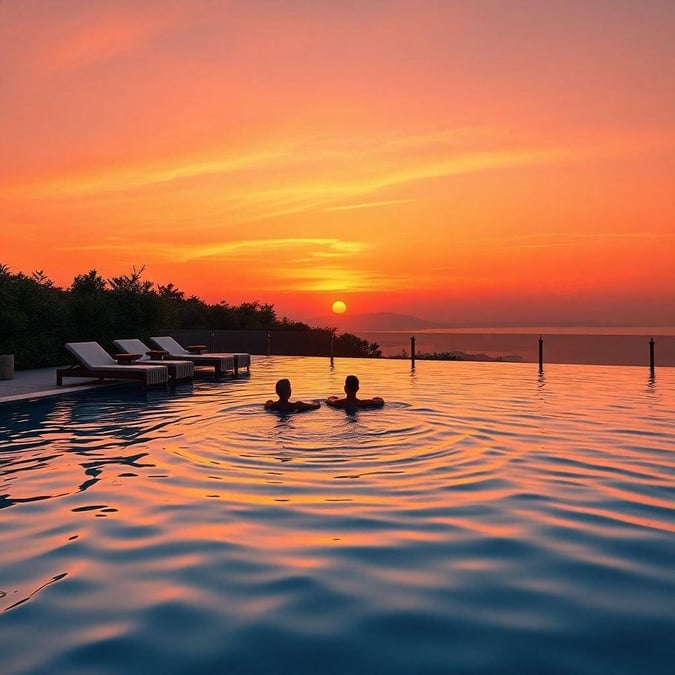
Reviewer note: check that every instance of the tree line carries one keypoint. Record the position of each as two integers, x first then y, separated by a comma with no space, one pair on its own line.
37,317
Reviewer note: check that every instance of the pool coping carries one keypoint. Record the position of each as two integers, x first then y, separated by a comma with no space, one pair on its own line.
41,383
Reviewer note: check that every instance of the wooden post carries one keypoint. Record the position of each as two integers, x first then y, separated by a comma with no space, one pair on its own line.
332,348
412,352
269,343
651,355
541,354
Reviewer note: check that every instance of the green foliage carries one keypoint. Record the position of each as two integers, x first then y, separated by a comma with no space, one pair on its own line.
169,292
88,284
32,320
352,345
131,283
38,318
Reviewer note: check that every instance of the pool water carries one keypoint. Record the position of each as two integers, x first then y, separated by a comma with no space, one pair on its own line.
488,519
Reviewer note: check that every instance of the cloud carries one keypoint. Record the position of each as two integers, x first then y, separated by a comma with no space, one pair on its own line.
304,193
144,174
315,246
276,179
309,264
368,205
191,252
334,278
102,33
567,239
287,170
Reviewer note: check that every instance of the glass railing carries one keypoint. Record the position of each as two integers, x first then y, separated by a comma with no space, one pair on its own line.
557,347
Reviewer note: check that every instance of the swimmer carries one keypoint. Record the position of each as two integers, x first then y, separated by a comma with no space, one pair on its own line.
350,400
284,404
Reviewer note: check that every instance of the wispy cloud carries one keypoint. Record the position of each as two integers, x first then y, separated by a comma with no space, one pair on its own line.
279,179
310,194
336,278
368,205
190,252
286,172
307,245
146,175
100,34
567,239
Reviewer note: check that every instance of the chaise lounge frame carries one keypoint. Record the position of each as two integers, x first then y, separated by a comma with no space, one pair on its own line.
146,375
220,362
179,369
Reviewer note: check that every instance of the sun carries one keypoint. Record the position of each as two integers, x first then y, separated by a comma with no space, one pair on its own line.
339,307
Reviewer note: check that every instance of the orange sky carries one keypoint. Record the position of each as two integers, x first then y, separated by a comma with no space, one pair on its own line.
468,162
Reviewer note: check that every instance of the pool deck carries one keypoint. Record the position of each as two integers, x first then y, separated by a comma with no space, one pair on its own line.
41,382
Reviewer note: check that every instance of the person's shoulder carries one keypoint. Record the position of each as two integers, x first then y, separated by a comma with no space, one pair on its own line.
335,402
281,406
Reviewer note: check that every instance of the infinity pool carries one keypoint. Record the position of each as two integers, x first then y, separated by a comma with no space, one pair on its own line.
487,520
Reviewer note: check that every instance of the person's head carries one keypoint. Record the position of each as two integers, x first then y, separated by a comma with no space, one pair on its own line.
283,389
351,385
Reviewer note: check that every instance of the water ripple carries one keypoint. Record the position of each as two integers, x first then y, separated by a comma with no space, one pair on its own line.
488,519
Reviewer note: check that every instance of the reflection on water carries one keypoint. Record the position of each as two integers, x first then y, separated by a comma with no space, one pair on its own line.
488,519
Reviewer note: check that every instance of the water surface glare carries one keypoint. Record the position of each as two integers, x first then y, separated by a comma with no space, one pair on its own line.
488,519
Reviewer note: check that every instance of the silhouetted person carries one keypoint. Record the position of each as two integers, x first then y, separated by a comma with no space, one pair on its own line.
284,404
351,400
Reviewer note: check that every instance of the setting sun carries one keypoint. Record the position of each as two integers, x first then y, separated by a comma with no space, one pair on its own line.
339,307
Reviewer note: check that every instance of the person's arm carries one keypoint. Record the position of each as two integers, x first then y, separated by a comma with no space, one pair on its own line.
269,405
335,401
301,406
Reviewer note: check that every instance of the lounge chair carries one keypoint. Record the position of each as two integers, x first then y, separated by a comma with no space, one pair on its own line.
221,362
178,370
94,361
